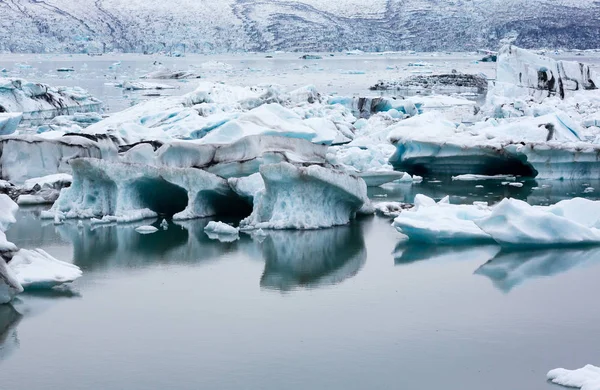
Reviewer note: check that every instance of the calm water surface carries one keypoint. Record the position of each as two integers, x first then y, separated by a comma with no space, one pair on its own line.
342,308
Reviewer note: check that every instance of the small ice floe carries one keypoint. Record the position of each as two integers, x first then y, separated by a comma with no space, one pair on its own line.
588,190
146,229
164,225
391,209
36,269
519,185
472,177
220,228
586,378
221,231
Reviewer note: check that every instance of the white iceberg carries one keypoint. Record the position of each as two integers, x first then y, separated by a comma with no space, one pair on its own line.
442,223
585,378
146,229
305,198
220,228
35,269
8,210
42,190
164,74
513,222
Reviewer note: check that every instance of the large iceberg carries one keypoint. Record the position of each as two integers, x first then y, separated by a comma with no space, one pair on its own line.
305,198
9,285
523,129
543,76
41,101
510,223
121,192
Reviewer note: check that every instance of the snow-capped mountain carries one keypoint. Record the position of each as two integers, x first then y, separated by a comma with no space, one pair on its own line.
299,25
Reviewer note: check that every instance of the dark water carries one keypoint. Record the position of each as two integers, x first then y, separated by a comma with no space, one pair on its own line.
341,308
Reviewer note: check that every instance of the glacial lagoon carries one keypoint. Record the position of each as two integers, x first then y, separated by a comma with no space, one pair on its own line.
349,307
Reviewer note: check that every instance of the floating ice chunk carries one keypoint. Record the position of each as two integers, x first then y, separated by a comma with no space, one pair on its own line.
379,178
391,209
442,223
40,101
146,229
305,198
483,177
220,228
515,223
586,378
139,86
169,74
588,190
35,269
164,225
9,121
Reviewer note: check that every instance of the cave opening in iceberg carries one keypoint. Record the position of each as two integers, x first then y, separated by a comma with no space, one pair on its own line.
159,195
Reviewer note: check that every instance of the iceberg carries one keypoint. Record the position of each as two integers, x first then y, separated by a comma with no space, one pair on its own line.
41,101
513,222
543,76
220,228
585,378
36,269
310,197
442,223
120,192
24,157
247,187
42,190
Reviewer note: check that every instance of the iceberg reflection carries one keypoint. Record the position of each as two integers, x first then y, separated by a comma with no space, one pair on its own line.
313,258
512,268
406,253
9,340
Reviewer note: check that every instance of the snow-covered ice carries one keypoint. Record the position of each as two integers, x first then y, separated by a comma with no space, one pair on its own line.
146,229
220,228
36,269
585,378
